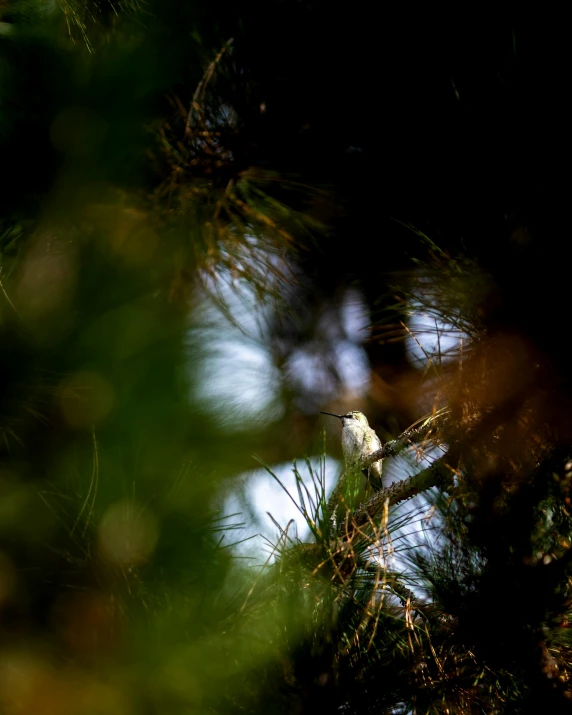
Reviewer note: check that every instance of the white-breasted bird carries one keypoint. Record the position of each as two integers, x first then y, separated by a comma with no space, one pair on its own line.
358,441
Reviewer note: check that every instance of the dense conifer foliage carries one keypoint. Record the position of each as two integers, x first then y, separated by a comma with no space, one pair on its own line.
376,204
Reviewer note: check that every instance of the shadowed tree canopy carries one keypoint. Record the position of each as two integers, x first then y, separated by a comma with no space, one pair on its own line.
377,199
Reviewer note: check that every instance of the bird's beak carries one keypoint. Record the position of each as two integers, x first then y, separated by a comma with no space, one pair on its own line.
331,414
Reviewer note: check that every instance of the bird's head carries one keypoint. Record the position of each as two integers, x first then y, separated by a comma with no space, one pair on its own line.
351,418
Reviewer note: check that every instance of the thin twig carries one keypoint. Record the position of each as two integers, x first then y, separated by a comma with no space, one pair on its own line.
202,85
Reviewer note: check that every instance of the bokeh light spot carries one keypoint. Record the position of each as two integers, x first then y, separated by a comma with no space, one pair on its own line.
128,533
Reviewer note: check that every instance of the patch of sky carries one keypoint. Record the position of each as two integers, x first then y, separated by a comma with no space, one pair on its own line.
335,357
259,496
431,337
235,379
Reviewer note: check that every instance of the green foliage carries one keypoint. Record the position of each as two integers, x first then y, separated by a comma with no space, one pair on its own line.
156,154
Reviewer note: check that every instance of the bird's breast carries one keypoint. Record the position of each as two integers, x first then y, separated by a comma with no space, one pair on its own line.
352,443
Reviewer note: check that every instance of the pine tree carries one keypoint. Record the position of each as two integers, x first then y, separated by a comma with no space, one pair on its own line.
154,152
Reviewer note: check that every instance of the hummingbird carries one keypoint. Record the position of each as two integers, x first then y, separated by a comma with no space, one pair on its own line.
359,440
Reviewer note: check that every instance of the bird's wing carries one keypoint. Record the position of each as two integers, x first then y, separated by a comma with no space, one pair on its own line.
373,472
372,441
374,475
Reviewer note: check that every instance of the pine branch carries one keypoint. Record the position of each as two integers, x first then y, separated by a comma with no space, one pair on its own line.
405,439
437,474
401,490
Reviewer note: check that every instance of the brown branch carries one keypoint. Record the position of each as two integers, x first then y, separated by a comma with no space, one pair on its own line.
439,474
197,105
418,431
405,439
